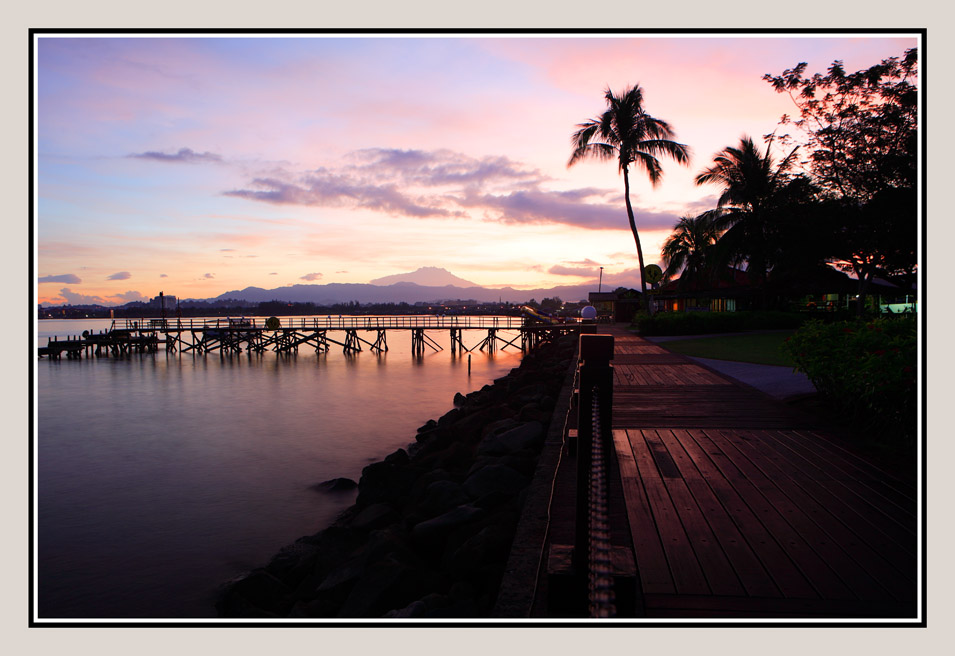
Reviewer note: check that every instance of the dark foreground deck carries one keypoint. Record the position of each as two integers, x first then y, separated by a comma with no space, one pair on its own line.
737,506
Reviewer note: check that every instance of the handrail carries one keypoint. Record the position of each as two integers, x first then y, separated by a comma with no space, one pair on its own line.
600,563
592,547
344,322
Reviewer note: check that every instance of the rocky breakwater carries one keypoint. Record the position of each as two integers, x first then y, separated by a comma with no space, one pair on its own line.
431,529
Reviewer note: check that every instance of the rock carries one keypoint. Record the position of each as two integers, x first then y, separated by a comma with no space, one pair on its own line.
459,399
441,496
384,482
430,425
434,530
375,516
524,436
336,485
492,543
399,457
258,593
494,478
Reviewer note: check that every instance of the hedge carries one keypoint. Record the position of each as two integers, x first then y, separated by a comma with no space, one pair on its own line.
867,370
701,323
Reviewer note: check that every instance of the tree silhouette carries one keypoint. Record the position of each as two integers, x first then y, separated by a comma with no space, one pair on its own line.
752,197
689,248
626,132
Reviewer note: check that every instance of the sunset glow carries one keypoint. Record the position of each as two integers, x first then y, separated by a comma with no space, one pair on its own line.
200,165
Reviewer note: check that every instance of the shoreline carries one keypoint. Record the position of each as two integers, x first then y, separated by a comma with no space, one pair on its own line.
433,525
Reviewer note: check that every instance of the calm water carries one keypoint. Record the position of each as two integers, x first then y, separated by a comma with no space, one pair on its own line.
160,476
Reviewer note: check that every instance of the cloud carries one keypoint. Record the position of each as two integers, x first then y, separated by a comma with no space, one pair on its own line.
328,190
274,273
163,275
208,276
128,297
443,183
559,270
183,155
568,207
311,276
121,275
68,278
226,250
72,298
341,272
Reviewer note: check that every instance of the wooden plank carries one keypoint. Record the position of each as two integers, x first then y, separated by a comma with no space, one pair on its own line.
805,517
684,566
814,568
774,560
716,568
852,496
663,605
652,566
854,553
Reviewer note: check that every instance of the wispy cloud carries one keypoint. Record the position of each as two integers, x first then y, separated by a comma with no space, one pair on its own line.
186,155
311,276
71,298
208,276
120,275
68,278
128,297
559,270
443,183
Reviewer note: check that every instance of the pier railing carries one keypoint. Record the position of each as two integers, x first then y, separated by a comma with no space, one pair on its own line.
350,322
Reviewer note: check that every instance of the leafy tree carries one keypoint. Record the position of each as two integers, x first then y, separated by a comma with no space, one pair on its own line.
689,248
753,195
860,131
627,133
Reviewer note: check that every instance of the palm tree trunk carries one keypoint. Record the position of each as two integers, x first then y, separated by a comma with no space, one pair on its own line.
636,238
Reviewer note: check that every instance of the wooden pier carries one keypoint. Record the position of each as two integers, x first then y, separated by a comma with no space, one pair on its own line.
352,333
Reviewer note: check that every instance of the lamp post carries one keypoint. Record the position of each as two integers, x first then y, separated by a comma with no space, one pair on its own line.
600,282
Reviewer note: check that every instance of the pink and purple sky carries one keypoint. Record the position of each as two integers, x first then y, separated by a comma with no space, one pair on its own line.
197,165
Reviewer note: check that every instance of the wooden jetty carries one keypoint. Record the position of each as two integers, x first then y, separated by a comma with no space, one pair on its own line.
352,333
726,503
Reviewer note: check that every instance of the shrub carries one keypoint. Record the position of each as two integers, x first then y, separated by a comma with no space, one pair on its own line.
701,323
865,369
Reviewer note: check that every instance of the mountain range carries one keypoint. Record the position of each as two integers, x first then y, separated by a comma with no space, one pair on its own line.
426,285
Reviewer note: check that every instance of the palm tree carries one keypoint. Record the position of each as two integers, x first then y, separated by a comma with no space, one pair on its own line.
752,191
688,248
625,132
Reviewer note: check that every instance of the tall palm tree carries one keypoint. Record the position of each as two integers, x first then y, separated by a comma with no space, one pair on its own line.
626,132
752,185
688,248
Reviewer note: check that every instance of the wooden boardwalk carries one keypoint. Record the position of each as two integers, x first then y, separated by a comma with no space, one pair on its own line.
739,507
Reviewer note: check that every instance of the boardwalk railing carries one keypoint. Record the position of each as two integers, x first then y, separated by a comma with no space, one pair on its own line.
592,548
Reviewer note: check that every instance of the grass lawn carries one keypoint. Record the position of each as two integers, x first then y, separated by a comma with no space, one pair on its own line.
757,348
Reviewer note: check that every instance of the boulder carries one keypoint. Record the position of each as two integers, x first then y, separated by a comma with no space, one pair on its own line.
336,485
435,530
494,478
523,436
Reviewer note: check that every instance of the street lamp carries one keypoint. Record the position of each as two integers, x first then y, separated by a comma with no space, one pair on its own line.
600,282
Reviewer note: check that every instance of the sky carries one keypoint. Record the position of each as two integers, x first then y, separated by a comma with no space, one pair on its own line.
197,165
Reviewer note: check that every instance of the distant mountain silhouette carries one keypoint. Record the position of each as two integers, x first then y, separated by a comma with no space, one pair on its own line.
400,292
427,277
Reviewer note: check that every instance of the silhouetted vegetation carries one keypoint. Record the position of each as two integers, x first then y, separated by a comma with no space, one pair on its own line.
627,133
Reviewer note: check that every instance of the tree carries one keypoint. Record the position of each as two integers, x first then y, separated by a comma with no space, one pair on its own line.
689,248
626,132
860,131
753,188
